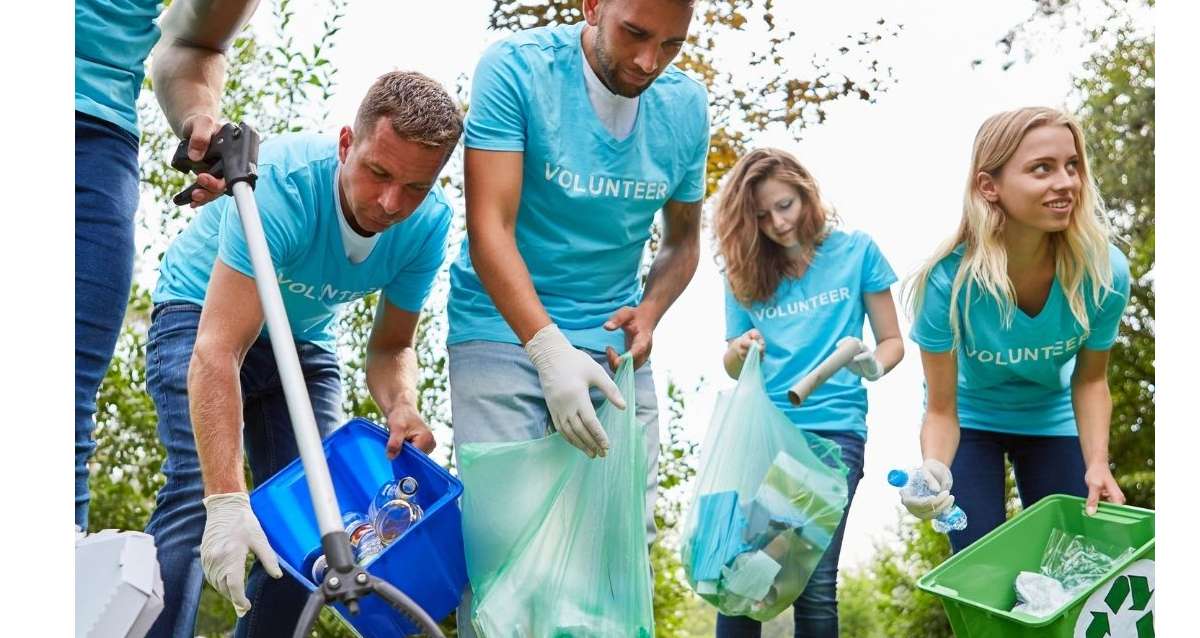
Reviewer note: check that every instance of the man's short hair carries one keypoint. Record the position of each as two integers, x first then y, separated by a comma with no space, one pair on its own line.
419,109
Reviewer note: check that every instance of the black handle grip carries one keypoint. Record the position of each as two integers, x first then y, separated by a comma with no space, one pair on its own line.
232,155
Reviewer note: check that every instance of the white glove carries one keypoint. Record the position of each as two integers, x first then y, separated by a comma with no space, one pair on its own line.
566,374
231,531
864,363
938,478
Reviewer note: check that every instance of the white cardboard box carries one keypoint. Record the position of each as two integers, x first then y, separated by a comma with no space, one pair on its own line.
118,588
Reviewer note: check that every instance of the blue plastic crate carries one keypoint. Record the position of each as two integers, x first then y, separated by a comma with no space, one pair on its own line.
427,563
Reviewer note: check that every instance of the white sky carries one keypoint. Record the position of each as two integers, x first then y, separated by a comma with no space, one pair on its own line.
894,169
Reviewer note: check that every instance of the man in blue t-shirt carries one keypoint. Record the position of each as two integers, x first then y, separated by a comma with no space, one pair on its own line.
112,40
576,137
343,217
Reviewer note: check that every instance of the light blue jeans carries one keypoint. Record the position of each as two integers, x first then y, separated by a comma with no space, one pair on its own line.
495,397
179,516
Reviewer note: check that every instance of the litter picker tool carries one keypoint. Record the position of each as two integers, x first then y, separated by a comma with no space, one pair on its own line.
233,154
845,353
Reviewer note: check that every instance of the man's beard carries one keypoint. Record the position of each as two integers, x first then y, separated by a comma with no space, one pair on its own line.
608,70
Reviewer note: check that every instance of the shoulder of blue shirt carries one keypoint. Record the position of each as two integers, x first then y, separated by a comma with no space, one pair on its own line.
674,81
947,267
288,154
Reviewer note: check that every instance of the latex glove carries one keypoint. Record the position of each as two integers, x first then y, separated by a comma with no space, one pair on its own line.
231,531
938,479
566,374
864,363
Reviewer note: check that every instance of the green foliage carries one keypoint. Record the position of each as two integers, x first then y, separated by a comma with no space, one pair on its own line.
779,83
1117,113
126,469
882,599
678,611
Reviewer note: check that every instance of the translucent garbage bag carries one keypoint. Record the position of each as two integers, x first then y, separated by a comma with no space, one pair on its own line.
556,542
769,497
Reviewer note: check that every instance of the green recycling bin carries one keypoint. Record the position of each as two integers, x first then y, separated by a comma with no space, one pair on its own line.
976,584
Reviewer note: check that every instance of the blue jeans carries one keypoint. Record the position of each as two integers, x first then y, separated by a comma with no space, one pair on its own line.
106,197
178,520
495,396
816,610
1043,465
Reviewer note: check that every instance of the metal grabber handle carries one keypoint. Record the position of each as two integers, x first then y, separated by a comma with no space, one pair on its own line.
233,154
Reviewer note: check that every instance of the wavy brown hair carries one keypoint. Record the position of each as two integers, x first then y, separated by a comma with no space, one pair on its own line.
753,263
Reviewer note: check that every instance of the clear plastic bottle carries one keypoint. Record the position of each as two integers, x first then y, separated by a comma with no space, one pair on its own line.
363,537
913,482
394,509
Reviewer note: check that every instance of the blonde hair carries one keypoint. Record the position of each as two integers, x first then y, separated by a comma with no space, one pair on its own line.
754,264
1080,251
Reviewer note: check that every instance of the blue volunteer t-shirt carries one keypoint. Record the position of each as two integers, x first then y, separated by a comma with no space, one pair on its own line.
1018,380
803,322
587,199
112,40
298,201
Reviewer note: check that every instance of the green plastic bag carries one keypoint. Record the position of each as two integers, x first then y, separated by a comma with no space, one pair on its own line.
555,541
769,497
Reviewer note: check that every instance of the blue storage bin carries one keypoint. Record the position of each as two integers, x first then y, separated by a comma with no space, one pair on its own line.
427,563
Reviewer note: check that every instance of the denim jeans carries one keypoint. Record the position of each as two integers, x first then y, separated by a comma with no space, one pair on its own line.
495,396
1043,465
178,520
816,610
106,197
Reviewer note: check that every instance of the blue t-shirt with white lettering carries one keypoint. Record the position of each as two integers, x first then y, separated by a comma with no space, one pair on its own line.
587,199
803,322
1018,380
112,40
299,204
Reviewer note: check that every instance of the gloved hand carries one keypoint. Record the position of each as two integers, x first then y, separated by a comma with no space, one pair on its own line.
864,363
939,480
566,374
230,531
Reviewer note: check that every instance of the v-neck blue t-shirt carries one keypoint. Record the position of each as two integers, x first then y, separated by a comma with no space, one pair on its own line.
1018,380
587,199
803,322
299,204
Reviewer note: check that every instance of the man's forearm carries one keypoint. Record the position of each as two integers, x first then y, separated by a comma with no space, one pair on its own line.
392,377
187,81
214,396
506,279
670,273
1093,415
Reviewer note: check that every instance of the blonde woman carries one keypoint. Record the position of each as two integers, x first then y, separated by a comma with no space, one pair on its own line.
1015,316
799,287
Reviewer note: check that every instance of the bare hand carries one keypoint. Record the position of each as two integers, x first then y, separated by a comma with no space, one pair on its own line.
199,129
1101,484
405,424
639,335
741,345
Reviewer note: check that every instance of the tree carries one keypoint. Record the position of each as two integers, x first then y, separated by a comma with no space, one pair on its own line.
1116,89
882,598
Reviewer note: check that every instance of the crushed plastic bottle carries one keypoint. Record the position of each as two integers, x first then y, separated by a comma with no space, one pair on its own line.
952,519
363,537
394,509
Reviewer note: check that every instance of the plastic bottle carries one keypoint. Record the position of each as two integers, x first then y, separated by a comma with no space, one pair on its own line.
394,509
914,483
363,537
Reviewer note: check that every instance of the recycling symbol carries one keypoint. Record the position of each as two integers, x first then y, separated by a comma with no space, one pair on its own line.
1122,607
